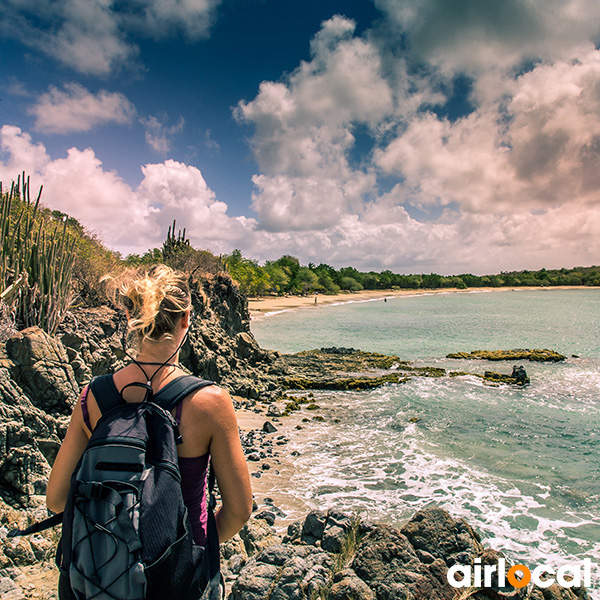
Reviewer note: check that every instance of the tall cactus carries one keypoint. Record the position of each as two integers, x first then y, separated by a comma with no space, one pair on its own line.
36,261
174,245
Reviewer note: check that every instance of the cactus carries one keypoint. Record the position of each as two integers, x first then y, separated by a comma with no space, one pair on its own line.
36,260
174,245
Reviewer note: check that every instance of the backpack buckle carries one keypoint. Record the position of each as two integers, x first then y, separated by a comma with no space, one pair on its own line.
96,491
91,490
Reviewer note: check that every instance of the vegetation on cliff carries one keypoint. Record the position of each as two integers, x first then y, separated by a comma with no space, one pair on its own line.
49,262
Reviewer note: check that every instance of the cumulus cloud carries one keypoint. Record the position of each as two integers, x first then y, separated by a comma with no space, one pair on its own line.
511,181
91,36
380,234
159,136
540,149
303,131
127,219
75,109
361,160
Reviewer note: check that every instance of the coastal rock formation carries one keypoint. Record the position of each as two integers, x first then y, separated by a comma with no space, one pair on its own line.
327,555
371,562
29,438
40,366
516,354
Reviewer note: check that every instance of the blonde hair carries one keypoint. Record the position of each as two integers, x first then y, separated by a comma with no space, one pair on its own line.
155,299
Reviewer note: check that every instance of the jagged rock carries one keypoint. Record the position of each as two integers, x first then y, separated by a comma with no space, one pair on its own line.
19,551
495,377
43,549
9,590
273,411
267,516
268,427
42,370
313,527
285,571
257,535
335,531
233,547
348,586
495,592
254,581
434,531
24,468
387,562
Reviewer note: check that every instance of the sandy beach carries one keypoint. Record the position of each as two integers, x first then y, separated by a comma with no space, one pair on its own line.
266,305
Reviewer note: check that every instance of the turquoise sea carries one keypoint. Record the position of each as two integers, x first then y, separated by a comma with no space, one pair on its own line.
520,464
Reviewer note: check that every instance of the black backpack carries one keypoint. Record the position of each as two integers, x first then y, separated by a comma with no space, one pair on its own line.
126,534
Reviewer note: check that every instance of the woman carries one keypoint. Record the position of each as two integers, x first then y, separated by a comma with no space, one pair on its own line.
158,306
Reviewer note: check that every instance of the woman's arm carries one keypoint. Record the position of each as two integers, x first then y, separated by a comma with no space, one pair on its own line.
71,450
228,462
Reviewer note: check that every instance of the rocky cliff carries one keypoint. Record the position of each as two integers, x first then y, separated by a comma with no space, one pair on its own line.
40,376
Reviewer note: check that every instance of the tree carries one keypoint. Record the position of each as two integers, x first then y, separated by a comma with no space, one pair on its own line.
306,281
350,284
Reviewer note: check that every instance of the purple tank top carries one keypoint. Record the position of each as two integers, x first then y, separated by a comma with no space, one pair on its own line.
193,479
193,487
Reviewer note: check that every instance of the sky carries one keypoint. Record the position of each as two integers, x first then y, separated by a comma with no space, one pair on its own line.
446,136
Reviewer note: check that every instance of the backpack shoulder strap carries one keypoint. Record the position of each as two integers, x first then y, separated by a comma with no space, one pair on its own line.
105,392
176,390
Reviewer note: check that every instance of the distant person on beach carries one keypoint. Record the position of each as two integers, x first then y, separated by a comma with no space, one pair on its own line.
158,308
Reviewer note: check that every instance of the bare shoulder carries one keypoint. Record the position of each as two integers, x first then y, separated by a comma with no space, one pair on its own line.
212,402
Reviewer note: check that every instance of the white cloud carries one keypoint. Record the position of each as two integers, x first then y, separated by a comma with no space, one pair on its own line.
303,131
381,234
192,17
130,220
513,183
23,154
159,136
539,149
91,36
77,109
178,191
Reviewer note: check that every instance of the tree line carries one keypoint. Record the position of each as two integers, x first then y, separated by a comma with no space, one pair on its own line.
287,276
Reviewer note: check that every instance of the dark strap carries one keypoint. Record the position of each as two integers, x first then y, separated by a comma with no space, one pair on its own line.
169,396
84,408
37,527
107,395
105,392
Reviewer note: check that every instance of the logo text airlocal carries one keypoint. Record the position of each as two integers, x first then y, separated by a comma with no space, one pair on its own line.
478,575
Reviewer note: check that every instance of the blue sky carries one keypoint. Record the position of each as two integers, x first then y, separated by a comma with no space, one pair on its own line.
430,135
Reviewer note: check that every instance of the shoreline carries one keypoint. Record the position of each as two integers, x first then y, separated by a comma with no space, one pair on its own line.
270,486
265,306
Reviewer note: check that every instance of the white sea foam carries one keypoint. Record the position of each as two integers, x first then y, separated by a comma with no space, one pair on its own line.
391,468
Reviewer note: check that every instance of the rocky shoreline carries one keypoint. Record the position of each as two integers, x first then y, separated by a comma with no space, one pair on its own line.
324,555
